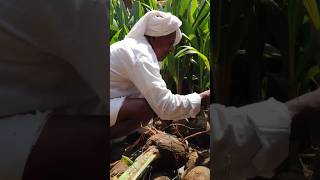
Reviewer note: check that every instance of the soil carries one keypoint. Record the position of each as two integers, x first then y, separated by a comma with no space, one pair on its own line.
183,145
197,173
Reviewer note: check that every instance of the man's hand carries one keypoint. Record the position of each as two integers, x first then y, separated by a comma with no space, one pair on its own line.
313,100
205,98
309,102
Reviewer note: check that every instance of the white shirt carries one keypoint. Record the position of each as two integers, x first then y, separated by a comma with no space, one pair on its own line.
52,55
135,72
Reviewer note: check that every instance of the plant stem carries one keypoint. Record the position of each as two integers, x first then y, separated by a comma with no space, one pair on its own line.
196,134
140,164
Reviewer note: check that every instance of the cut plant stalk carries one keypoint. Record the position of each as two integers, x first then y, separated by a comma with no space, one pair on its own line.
140,164
120,166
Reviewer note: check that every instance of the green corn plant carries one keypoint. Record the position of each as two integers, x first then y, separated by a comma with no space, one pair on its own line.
123,19
235,29
190,61
300,69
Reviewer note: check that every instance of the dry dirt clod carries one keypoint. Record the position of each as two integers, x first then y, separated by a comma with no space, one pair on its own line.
162,178
197,173
168,142
192,159
170,147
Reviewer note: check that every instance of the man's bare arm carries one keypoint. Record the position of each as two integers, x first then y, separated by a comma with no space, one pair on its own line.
307,103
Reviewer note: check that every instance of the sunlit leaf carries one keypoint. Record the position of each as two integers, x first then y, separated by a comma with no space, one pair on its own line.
115,38
312,8
189,31
190,50
203,13
184,4
192,8
313,72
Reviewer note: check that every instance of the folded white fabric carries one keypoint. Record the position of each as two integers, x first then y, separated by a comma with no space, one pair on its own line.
249,141
115,105
18,134
156,23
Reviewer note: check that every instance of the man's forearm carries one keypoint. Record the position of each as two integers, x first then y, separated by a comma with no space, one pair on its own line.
295,107
305,103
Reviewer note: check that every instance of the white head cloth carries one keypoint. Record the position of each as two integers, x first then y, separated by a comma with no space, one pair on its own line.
156,23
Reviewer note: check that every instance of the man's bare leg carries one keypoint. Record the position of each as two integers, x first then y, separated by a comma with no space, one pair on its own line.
133,113
70,147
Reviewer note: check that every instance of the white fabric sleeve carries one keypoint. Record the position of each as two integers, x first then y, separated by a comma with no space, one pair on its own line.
147,78
249,141
53,55
86,48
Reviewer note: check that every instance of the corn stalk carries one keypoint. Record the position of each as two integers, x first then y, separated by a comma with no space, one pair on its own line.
140,164
298,13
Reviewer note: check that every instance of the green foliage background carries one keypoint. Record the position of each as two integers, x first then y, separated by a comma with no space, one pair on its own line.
187,69
241,28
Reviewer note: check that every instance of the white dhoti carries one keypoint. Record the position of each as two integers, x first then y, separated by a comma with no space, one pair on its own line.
115,105
18,134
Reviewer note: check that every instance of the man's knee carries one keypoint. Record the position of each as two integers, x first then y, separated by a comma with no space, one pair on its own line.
136,109
146,111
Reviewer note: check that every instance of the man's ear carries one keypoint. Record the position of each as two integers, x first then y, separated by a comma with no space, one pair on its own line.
149,38
153,39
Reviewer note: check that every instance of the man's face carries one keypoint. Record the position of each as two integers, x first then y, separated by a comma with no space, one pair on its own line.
162,45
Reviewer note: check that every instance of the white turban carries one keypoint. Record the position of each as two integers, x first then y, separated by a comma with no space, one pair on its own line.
156,23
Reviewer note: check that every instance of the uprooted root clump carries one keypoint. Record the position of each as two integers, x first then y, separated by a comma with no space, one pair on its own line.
182,147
